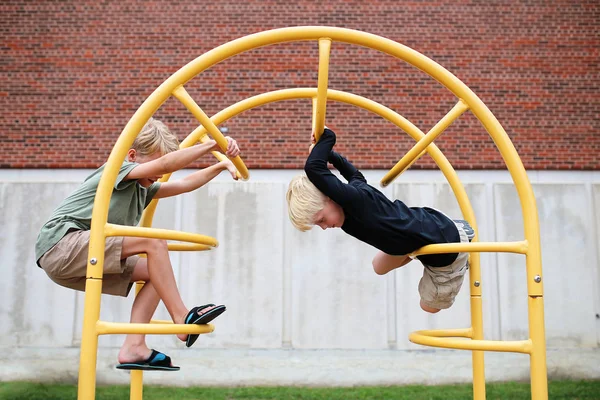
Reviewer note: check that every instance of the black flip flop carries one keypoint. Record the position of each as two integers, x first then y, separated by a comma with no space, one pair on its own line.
156,362
205,318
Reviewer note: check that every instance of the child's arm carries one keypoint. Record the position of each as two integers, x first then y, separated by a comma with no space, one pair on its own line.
195,180
319,174
348,171
179,159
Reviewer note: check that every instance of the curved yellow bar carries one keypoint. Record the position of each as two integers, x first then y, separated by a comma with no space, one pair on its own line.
480,247
519,346
136,231
436,154
461,91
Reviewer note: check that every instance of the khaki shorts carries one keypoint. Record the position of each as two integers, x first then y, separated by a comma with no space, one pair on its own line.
440,285
66,264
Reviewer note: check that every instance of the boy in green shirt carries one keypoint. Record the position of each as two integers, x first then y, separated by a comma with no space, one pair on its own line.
62,244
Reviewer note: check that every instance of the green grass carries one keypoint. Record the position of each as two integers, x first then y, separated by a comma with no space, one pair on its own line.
572,390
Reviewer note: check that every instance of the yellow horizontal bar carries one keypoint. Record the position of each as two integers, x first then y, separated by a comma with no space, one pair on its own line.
161,321
188,247
475,247
519,346
112,328
462,332
136,231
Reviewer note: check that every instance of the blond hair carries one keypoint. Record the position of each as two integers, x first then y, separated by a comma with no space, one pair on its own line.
155,136
304,201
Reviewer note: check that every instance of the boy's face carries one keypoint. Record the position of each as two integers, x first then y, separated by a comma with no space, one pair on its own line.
331,216
134,156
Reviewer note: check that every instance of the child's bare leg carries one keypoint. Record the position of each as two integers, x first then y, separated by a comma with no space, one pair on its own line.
134,348
160,274
384,263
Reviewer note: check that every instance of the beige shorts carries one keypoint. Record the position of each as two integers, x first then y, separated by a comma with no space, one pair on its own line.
440,285
66,264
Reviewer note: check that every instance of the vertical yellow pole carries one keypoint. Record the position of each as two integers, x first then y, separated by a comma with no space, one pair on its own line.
86,388
319,110
314,114
466,208
538,369
91,310
477,356
136,379
476,308
136,389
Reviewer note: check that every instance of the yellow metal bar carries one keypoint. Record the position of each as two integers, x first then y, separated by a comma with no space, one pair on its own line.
477,356
482,247
319,122
519,346
112,328
86,386
122,230
538,368
183,96
136,385
188,247
460,332
419,148
314,114
136,378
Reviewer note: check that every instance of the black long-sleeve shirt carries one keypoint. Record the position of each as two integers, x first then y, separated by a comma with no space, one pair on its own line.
370,216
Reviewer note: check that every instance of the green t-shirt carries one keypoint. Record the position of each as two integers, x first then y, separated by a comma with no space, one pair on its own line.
127,203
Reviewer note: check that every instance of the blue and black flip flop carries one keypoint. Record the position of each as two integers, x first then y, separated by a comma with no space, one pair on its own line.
200,319
156,362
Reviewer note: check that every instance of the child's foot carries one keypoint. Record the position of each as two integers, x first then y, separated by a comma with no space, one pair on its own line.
129,354
200,315
469,231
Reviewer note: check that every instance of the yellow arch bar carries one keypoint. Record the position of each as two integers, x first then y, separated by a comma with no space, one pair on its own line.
461,91
442,162
121,230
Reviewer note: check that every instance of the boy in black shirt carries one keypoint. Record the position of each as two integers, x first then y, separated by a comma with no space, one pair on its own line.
320,198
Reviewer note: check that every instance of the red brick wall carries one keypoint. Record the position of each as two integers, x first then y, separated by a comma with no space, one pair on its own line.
73,73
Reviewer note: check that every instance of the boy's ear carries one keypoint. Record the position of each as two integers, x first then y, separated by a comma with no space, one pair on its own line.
131,155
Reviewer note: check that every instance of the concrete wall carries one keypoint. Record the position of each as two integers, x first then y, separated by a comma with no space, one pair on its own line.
306,308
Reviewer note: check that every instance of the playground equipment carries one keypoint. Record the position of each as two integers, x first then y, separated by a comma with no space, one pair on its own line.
471,338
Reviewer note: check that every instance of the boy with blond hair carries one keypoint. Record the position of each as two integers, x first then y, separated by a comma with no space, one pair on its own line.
62,244
360,210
